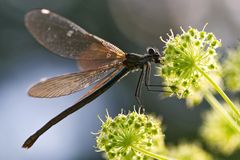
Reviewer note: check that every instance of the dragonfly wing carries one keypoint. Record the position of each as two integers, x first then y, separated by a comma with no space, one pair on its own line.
85,65
65,38
105,80
66,84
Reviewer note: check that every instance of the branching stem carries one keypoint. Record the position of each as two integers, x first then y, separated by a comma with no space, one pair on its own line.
220,91
217,106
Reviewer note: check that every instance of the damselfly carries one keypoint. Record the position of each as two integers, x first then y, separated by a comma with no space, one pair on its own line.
100,62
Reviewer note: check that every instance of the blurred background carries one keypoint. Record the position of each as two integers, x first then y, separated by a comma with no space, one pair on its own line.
132,25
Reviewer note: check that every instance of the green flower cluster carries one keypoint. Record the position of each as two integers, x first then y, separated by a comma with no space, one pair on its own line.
186,54
119,137
231,72
218,133
192,151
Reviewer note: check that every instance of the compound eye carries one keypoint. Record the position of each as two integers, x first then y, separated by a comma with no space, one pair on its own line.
157,60
151,51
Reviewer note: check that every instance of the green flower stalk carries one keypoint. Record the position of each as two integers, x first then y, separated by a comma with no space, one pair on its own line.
128,137
221,110
217,132
192,151
188,59
231,72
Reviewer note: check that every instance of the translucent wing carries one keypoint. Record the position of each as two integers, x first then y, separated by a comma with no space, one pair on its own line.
67,39
66,84
101,83
85,65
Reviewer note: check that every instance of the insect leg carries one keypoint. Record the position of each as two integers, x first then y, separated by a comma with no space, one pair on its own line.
139,85
148,83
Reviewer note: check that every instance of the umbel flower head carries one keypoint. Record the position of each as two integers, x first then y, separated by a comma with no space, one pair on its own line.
118,136
231,72
217,132
189,151
184,55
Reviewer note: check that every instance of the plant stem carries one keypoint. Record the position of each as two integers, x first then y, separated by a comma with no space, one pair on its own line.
217,106
220,91
150,154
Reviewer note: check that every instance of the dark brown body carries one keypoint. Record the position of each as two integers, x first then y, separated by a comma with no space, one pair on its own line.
137,61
